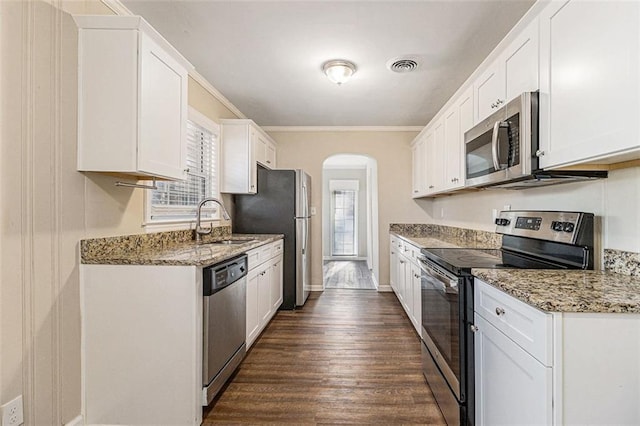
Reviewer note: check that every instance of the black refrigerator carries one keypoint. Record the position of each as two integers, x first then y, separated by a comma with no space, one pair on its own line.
281,206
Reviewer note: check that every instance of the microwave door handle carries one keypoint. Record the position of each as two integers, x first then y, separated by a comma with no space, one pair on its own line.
494,145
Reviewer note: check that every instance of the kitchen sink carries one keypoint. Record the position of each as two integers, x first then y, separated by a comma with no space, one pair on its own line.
232,242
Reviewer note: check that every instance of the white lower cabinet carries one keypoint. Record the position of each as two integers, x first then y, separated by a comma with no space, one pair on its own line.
512,387
405,279
142,337
540,368
264,288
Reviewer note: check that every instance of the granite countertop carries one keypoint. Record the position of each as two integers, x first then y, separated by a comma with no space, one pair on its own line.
567,291
426,242
186,253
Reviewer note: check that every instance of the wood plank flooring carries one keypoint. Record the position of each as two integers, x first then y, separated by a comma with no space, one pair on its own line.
346,357
353,274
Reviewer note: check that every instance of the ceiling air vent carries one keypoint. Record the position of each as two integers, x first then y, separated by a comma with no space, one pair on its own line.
402,65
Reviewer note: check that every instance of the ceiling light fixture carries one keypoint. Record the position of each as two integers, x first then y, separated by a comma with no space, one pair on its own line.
338,70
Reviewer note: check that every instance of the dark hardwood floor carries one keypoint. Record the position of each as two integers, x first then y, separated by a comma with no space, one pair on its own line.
345,358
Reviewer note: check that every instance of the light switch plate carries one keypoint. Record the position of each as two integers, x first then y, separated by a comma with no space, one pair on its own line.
313,211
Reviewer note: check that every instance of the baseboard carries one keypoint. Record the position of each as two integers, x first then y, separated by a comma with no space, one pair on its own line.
385,288
78,421
375,281
319,287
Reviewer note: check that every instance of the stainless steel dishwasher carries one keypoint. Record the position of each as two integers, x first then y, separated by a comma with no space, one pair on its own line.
224,312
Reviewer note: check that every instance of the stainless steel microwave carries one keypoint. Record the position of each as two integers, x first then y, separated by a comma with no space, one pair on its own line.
502,150
500,147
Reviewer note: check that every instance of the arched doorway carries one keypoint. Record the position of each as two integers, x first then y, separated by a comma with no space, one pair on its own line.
350,222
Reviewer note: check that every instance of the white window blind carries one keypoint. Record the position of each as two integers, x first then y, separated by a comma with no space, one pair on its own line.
175,201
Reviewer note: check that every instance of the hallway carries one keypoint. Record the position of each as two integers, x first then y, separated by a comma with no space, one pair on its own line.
347,274
346,357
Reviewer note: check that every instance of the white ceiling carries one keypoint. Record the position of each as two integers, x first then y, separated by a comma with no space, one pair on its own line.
266,56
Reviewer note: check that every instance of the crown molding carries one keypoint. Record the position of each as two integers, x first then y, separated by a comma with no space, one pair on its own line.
215,93
342,128
120,9
117,7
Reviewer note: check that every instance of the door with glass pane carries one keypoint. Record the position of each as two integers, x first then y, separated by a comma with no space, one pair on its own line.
344,237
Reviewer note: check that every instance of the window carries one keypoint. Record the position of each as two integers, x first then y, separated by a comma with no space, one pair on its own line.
178,201
344,206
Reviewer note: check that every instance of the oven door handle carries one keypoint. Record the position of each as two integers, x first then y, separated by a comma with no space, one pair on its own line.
494,145
441,279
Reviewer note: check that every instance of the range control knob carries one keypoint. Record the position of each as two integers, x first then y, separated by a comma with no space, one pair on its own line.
502,222
568,227
557,226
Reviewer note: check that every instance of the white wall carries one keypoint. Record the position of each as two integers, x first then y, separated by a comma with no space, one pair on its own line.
359,175
48,206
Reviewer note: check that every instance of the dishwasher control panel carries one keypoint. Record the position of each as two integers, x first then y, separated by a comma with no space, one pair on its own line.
221,275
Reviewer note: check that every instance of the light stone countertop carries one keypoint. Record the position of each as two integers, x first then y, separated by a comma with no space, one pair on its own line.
567,291
186,253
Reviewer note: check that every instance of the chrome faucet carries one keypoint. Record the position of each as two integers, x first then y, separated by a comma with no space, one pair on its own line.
199,231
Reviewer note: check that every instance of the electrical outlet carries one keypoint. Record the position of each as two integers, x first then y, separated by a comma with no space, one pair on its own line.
506,207
313,211
12,414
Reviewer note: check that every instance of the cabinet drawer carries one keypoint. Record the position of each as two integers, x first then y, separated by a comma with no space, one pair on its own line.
530,328
277,248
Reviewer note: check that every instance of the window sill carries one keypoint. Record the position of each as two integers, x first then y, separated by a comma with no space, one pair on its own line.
179,225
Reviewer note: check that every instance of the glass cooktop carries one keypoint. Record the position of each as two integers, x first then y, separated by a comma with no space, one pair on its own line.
460,261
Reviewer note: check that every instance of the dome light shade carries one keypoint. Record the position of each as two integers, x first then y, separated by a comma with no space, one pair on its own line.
339,71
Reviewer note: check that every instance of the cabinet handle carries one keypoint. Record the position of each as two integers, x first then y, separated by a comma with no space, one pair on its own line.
416,275
393,252
415,191
430,186
539,153
499,311
268,162
499,101
402,262
493,106
474,328
187,170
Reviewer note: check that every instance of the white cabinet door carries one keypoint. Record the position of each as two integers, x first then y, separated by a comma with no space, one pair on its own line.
132,99
253,321
264,293
271,156
393,265
244,144
589,85
407,289
513,72
276,283
434,145
418,157
521,60
489,90
512,387
163,112
417,298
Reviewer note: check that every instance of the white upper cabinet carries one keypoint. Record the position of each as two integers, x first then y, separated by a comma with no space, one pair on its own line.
418,155
132,99
513,72
457,120
590,82
244,145
434,151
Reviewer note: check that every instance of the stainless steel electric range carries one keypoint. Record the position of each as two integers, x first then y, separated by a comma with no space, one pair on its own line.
532,240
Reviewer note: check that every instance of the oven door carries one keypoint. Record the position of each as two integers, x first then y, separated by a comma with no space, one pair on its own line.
441,309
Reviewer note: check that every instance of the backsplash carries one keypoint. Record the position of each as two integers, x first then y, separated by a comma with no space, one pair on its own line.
622,262
462,236
127,244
